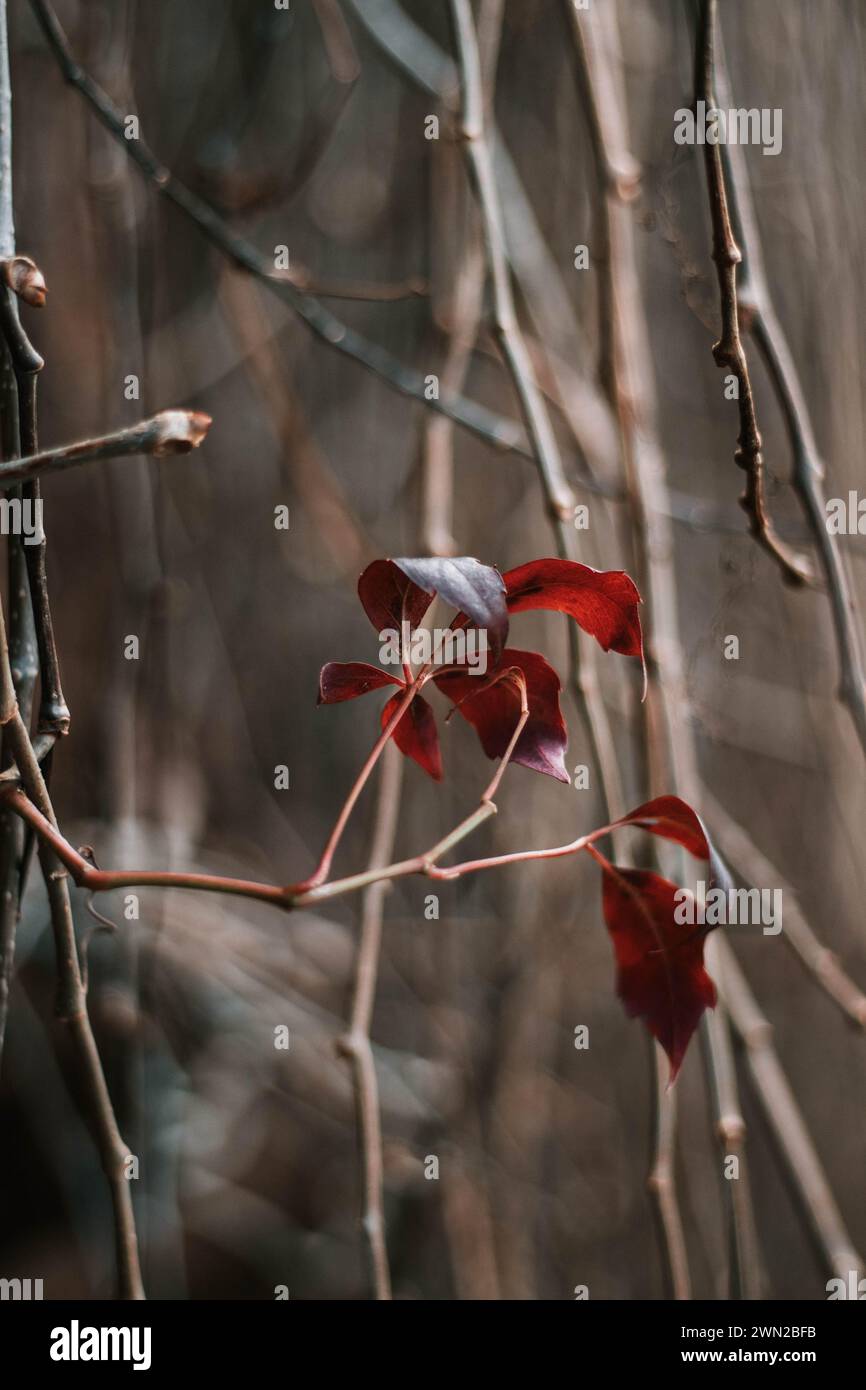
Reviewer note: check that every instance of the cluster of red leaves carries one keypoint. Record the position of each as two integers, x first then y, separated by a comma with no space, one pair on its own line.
604,603
660,973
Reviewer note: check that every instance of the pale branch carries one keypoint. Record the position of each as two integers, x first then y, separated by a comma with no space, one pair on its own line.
662,1179
755,868
355,1044
760,320
499,433
496,431
676,722
670,753
745,1264
170,432
367,291
459,316
780,1107
556,489
728,351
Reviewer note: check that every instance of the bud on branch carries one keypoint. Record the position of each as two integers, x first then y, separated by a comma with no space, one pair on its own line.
170,432
25,279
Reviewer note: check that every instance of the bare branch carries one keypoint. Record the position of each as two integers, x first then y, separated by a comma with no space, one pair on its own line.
662,1179
728,351
558,495
496,431
170,432
671,757
355,1043
759,318
780,1106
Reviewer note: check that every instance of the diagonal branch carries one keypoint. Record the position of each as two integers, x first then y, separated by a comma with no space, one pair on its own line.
496,431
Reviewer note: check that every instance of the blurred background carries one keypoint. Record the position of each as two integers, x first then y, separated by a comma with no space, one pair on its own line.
305,131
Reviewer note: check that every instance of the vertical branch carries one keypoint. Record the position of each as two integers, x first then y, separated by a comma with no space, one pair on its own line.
463,305
649,510
558,494
744,1263
71,998
12,841
662,1179
671,757
759,319
783,1113
728,351
356,1044
18,671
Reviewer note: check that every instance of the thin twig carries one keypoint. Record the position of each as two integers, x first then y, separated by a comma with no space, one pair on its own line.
355,1043
558,495
71,998
728,351
667,683
746,1280
760,320
780,1106
755,868
11,839
671,759
291,895
662,1179
496,431
170,432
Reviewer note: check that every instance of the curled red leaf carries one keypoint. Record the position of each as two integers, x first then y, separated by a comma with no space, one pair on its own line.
346,680
492,707
660,962
389,597
415,734
603,602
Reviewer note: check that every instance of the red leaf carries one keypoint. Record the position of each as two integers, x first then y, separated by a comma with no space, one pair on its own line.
389,597
673,819
494,709
346,680
416,735
472,588
603,602
660,962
